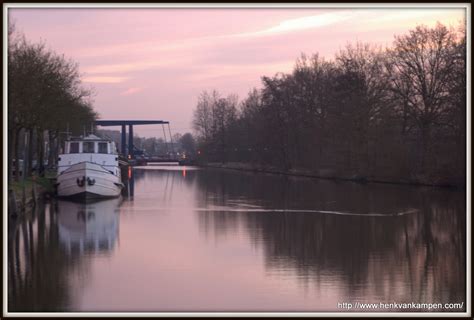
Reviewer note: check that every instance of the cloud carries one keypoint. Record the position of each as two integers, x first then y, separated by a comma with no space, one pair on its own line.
104,79
310,22
140,47
130,91
184,52
303,23
200,42
227,72
389,19
133,66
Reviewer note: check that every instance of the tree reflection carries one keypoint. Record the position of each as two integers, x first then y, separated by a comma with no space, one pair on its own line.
418,256
42,261
38,268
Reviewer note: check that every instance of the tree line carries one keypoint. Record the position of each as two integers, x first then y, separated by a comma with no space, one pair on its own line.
45,99
393,114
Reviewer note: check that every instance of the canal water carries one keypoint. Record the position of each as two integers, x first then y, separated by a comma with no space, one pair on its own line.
188,239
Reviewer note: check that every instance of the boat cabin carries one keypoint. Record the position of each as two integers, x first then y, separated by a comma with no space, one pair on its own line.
88,149
90,144
103,147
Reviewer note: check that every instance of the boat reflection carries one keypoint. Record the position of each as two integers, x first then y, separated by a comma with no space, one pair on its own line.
88,227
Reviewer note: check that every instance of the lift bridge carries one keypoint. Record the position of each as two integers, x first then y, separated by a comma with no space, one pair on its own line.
129,150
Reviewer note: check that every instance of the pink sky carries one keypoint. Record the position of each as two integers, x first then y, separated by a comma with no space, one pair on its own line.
152,63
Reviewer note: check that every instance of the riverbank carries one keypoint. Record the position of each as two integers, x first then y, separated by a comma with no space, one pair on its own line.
331,175
23,195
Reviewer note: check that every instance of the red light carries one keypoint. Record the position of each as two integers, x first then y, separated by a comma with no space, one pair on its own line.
129,172
199,151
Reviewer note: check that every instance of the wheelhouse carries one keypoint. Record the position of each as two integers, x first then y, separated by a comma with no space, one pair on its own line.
90,146
91,149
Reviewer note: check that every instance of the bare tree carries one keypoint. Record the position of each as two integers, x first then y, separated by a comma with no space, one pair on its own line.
372,112
421,65
363,87
188,144
314,94
44,94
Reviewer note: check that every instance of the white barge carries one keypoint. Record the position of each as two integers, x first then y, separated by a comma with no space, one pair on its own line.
89,168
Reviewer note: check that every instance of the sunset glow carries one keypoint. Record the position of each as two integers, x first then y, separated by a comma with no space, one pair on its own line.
153,63
237,159
309,22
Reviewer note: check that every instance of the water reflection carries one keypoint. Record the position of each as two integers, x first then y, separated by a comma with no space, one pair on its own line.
46,247
38,268
88,227
217,240
128,179
373,258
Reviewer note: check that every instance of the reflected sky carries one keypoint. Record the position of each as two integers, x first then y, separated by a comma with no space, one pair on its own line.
218,240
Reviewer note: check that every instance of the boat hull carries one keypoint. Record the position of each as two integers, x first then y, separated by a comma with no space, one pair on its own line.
88,181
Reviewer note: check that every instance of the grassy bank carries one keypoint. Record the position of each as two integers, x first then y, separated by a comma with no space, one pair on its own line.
329,174
26,192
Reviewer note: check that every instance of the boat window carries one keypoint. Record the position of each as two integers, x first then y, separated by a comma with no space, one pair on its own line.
74,147
88,147
103,147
